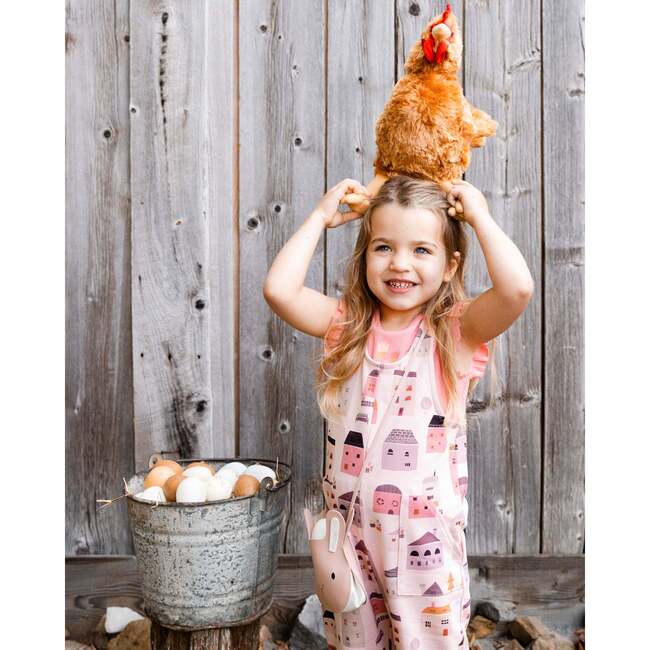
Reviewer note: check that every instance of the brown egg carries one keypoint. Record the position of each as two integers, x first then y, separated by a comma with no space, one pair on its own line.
169,488
245,486
200,463
157,476
169,463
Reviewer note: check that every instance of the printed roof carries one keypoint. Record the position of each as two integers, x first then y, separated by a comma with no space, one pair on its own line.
402,436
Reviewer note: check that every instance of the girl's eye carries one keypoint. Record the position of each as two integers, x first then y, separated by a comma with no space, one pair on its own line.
419,248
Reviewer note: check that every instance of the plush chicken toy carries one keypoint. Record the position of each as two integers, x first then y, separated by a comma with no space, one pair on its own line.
428,127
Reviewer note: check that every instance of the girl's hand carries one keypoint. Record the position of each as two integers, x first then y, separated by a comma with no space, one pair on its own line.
328,206
472,206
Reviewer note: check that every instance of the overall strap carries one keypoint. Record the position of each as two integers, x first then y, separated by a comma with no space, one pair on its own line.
348,521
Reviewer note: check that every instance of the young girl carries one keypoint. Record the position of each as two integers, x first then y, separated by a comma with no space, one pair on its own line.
403,314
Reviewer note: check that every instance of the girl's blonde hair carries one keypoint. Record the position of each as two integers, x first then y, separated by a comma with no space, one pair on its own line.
339,363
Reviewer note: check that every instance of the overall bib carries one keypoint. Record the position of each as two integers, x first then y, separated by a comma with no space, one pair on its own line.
411,511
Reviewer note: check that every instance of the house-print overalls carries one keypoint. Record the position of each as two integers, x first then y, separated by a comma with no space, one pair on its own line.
410,515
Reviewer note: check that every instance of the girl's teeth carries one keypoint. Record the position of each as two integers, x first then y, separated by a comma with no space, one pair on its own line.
401,285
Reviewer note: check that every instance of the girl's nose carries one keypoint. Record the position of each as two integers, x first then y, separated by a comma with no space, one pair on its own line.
399,263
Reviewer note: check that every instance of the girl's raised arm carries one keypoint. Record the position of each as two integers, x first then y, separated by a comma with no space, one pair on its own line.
306,309
512,284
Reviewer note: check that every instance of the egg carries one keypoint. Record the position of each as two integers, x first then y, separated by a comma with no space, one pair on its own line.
158,475
191,490
171,485
198,471
259,472
227,475
169,463
200,463
235,467
154,493
246,485
218,489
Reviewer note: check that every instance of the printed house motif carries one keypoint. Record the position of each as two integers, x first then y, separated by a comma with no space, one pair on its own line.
436,435
370,389
400,451
330,624
424,553
353,636
366,564
331,443
387,499
458,464
422,505
353,454
406,407
435,620
344,506
371,405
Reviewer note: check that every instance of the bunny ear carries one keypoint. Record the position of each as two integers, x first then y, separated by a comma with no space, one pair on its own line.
309,521
335,530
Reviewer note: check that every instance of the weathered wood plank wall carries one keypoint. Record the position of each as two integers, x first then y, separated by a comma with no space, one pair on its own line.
199,135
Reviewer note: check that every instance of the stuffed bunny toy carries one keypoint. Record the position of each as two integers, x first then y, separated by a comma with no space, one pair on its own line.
339,585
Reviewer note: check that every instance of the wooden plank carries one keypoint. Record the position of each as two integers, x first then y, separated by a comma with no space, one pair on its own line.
551,587
281,180
222,215
564,194
171,301
98,405
502,76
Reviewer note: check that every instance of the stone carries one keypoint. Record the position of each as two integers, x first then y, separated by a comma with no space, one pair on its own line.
527,628
117,618
480,627
311,616
561,642
497,610
135,636
542,643
508,644
309,630
75,645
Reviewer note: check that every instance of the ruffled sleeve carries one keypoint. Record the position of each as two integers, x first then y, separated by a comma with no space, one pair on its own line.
335,328
481,353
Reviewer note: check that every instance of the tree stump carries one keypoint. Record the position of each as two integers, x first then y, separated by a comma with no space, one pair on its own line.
243,637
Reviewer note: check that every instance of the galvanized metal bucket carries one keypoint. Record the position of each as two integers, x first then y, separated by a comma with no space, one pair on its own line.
211,564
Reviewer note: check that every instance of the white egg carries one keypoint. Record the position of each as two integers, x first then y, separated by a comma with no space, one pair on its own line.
218,489
154,493
227,475
260,472
191,490
198,471
236,467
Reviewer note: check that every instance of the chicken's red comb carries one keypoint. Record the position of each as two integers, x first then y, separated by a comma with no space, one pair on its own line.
444,16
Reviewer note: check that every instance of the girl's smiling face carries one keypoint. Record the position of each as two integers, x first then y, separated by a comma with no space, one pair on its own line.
406,246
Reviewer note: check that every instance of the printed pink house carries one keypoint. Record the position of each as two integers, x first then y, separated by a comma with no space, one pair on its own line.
330,624
353,453
378,604
458,465
366,564
422,505
344,506
400,451
353,635
436,435
406,406
387,499
424,553
370,389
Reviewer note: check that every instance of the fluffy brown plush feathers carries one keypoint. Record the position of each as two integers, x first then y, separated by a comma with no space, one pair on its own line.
428,127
